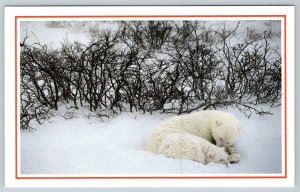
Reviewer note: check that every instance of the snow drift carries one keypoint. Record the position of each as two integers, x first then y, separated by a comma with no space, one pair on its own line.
87,146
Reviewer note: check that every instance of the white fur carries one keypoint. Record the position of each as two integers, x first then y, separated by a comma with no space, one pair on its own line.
215,126
187,146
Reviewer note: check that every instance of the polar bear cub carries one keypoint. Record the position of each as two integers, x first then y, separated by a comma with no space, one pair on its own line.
187,146
215,126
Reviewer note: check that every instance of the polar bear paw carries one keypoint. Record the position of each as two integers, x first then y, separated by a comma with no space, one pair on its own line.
233,155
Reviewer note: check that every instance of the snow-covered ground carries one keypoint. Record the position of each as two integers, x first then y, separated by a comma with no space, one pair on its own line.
88,146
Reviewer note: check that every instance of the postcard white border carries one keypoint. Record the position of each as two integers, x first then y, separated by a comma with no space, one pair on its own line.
11,12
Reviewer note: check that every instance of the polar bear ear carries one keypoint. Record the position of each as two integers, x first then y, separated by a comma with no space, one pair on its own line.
218,123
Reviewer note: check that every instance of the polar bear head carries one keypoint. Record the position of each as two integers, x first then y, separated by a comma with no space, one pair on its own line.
226,132
217,155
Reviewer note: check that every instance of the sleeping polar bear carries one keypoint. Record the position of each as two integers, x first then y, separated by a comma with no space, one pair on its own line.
187,146
217,127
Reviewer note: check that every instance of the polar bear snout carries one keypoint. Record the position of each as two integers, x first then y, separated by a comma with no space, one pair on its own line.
225,136
223,142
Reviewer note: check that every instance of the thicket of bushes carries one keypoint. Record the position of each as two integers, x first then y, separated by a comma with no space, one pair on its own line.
165,66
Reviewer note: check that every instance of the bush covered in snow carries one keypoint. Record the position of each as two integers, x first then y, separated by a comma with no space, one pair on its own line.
165,66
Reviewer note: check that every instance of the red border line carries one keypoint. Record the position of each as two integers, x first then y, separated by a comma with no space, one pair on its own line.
16,98
285,98
150,177
159,177
145,16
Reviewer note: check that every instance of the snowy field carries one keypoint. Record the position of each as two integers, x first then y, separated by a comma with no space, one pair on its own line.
88,146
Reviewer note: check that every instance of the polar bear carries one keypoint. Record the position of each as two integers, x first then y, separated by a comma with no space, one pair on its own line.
188,146
218,127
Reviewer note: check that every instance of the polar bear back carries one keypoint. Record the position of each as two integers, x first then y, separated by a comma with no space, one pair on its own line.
184,146
155,139
199,123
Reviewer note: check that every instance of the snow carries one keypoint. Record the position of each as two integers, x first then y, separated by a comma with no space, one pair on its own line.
53,36
86,145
